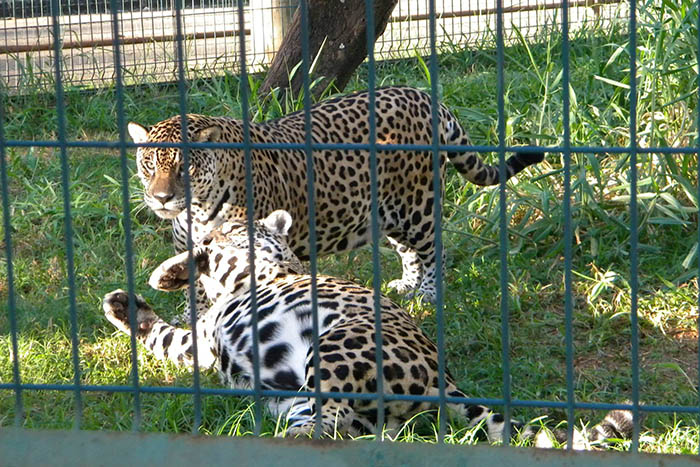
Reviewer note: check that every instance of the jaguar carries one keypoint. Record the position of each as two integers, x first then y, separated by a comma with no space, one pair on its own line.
347,357
341,176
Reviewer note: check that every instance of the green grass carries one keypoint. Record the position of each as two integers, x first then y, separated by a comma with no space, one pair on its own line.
668,205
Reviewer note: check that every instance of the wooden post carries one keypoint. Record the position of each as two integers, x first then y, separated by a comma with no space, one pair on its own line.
340,26
271,20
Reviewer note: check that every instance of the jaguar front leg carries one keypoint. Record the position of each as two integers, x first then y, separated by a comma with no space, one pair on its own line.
165,341
428,285
201,304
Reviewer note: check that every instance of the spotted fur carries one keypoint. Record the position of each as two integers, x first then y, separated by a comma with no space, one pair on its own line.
346,336
341,176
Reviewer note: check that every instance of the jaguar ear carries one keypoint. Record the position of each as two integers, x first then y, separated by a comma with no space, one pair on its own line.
173,274
138,133
207,135
278,222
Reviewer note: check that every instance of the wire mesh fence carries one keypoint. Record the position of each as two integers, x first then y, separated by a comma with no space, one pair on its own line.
19,389
210,35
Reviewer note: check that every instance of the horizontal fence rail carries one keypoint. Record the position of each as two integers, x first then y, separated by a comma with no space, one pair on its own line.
116,449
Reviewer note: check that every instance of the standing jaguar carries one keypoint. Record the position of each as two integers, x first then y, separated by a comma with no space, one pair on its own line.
405,191
346,337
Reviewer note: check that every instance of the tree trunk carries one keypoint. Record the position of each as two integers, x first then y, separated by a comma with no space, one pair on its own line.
340,27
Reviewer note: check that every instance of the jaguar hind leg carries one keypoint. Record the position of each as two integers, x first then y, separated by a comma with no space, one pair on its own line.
336,418
411,266
419,268
301,421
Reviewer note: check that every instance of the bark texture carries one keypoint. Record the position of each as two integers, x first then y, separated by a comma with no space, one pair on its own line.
339,26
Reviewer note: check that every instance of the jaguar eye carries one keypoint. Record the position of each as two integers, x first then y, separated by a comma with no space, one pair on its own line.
181,171
147,165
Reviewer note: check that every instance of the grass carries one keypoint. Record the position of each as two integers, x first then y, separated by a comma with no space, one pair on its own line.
668,206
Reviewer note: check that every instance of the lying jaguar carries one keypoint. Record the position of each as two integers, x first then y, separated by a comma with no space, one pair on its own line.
405,190
346,336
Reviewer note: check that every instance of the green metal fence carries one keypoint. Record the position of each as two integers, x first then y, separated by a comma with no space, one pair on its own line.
20,446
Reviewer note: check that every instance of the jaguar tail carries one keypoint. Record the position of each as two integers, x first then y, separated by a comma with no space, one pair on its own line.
470,165
617,424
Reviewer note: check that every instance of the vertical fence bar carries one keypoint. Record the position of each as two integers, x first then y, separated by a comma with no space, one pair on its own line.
311,193
374,214
11,303
634,225
250,213
126,212
65,180
568,236
697,145
191,291
437,213
503,222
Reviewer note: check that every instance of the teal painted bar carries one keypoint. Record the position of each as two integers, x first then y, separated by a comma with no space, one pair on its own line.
20,448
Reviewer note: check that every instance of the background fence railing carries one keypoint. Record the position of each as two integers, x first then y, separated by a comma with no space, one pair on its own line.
210,31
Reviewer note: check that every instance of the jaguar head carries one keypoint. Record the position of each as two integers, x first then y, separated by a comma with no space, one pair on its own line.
162,169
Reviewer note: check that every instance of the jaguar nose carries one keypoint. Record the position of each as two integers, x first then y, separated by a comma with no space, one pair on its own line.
162,197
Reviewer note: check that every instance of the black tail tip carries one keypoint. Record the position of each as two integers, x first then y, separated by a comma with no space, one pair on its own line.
529,158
